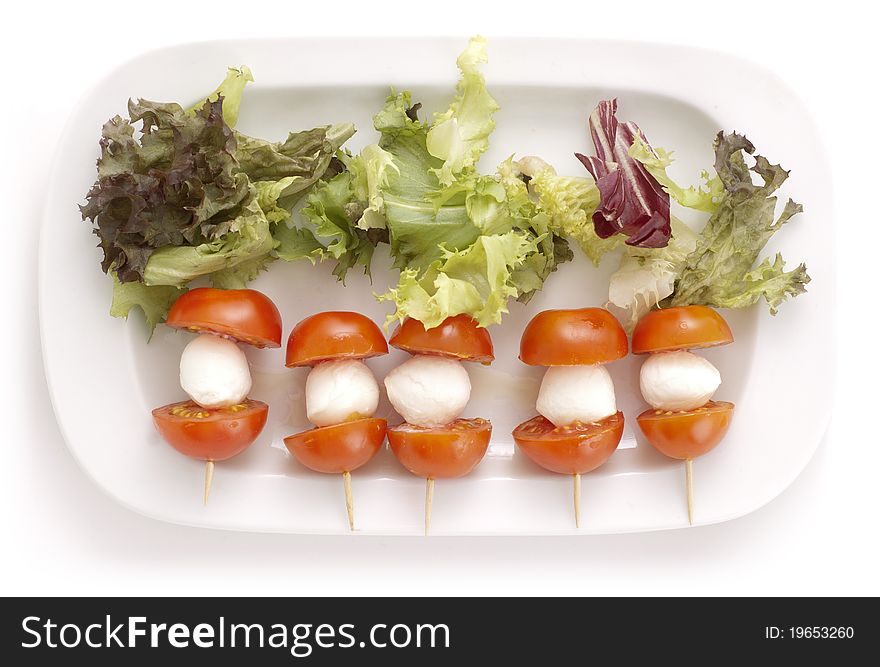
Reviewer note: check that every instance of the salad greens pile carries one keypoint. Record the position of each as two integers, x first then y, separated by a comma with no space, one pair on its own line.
464,242
715,267
190,197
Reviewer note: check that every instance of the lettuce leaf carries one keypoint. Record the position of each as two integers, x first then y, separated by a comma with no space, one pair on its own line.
460,135
231,90
178,186
297,243
332,225
370,171
706,197
154,301
178,265
416,225
719,271
570,202
300,160
552,250
475,281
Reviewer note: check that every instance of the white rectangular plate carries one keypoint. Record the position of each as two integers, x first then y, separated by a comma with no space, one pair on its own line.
104,378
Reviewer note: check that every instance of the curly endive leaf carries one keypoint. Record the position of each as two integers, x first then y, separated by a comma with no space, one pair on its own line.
719,271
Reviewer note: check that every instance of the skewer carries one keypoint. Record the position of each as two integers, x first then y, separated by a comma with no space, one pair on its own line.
349,500
429,502
689,475
209,477
577,500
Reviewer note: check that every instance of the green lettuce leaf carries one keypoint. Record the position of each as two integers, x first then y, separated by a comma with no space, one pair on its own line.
300,160
332,213
297,243
370,171
719,271
234,253
231,89
460,135
475,281
154,301
269,193
552,250
656,160
570,203
416,225
488,208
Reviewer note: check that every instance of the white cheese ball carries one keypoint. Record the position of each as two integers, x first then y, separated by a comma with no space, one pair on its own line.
428,390
678,380
214,372
340,391
571,394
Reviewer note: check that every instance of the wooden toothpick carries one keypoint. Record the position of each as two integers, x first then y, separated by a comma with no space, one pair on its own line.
577,500
349,501
209,477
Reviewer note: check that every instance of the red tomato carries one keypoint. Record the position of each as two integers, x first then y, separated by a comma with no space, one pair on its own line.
339,448
578,448
687,435
458,337
246,315
681,328
211,434
572,338
446,451
334,335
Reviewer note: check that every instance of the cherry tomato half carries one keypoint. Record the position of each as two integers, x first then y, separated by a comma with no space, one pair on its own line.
578,448
457,337
687,435
443,452
680,328
211,434
339,448
334,335
246,315
573,338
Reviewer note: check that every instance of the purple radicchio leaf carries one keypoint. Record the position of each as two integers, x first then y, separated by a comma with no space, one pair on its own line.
632,201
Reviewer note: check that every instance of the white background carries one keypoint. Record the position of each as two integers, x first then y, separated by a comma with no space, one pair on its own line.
61,535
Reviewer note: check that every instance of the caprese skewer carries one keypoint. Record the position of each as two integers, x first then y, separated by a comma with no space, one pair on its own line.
219,420
683,422
341,394
430,391
579,425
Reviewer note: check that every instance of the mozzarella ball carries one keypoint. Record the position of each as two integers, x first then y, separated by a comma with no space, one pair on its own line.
678,380
428,390
340,391
214,372
571,394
